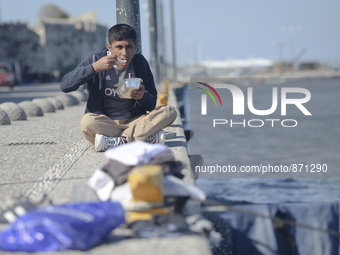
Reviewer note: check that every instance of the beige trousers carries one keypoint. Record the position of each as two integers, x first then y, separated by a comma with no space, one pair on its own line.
136,129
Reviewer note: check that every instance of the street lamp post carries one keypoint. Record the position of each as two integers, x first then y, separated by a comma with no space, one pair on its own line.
292,30
280,46
173,41
154,57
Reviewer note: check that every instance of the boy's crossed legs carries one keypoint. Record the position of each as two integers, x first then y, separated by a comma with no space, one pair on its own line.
127,130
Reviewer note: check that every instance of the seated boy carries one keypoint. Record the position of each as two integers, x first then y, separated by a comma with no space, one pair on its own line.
109,120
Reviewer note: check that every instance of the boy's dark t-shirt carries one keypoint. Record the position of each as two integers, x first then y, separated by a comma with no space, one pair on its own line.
116,107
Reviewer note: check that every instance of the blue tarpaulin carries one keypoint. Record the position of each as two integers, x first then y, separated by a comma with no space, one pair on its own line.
259,235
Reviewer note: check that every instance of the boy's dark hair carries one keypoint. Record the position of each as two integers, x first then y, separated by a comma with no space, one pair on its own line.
121,32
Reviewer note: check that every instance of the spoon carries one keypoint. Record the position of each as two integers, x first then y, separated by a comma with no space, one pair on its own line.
121,60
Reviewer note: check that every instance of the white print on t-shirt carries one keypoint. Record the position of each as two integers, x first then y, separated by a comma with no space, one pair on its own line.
110,91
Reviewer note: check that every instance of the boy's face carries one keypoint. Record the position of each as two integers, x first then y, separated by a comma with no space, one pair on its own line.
124,49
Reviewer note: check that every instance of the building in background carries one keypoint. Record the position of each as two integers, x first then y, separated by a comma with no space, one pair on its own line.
54,45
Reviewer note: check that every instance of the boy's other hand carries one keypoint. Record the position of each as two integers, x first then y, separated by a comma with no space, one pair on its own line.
138,93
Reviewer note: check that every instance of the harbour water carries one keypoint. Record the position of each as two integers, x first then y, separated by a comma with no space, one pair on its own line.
314,140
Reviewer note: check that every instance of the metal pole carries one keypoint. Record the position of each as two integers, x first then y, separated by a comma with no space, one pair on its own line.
161,41
173,41
153,40
127,12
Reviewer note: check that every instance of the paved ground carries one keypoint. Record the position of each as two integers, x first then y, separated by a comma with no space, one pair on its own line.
47,155
30,148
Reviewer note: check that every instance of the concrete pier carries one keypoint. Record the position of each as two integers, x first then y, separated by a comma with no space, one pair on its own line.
48,155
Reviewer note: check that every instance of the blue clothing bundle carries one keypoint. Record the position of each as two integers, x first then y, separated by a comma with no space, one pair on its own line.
78,226
257,235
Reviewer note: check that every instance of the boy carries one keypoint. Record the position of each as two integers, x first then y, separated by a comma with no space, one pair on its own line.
109,120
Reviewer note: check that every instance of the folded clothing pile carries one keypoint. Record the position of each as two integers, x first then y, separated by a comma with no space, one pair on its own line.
110,181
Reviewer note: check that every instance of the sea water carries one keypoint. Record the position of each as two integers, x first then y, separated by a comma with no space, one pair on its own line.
315,140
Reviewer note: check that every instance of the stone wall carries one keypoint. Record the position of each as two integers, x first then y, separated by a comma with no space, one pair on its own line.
68,42
18,42
53,44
